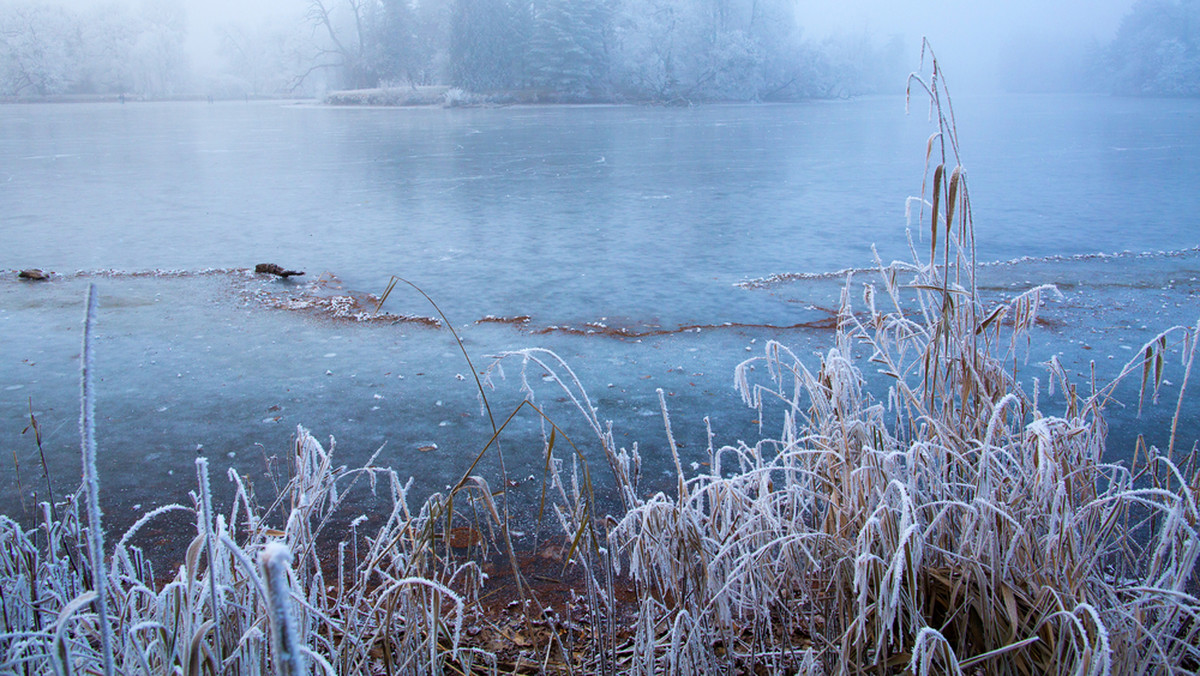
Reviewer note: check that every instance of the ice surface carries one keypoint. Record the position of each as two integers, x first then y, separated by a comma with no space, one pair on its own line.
200,364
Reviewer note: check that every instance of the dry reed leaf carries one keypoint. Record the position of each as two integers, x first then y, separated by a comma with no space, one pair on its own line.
936,198
952,200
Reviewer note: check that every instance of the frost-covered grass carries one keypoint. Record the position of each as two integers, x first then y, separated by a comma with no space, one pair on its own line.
390,96
967,522
222,613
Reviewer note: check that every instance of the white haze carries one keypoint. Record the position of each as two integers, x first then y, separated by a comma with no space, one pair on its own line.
208,19
974,40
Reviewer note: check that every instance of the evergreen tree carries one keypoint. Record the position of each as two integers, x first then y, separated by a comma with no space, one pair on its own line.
569,51
395,40
488,44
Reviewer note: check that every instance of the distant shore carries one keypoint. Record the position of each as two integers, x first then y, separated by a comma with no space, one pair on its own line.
450,97
391,96
401,96
453,97
139,98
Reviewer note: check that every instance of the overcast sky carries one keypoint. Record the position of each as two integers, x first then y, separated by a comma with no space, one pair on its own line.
967,34
946,18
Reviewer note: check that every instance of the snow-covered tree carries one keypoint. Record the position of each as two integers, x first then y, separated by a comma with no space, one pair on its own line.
569,50
1156,51
48,49
39,49
656,45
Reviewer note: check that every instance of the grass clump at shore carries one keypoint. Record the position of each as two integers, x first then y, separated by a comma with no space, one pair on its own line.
967,522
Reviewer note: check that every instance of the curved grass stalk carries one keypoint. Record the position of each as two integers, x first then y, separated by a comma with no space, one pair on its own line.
87,433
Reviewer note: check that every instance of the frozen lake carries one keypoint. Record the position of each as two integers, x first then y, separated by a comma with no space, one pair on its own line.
641,220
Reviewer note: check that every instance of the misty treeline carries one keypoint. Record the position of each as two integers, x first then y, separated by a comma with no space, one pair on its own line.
546,50
661,50
1157,50
138,48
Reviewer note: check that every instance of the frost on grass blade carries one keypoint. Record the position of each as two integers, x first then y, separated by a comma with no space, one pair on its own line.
87,432
275,561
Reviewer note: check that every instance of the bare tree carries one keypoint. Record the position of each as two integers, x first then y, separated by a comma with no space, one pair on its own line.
341,41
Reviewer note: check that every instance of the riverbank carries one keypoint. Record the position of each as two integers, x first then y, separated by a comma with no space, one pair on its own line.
956,525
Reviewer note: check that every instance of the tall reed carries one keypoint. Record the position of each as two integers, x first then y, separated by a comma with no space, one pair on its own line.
955,525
